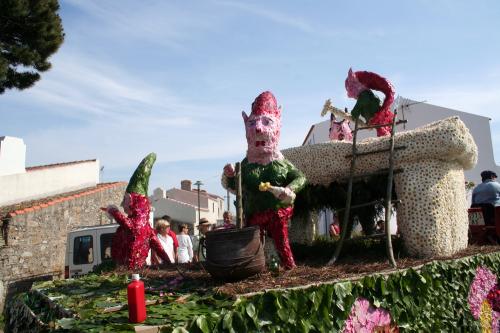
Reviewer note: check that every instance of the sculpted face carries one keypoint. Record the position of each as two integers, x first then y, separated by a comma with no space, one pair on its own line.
340,130
262,132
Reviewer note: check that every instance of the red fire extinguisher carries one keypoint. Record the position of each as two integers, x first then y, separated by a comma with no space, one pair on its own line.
136,300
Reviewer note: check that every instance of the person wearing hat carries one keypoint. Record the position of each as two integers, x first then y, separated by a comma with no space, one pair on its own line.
204,226
488,192
135,237
269,181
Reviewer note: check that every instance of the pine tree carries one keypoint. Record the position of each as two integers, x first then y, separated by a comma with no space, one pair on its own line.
30,32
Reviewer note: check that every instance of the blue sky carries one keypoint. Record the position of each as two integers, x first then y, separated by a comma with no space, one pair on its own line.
172,77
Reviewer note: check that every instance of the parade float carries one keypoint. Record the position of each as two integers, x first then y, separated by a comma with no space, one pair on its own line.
440,283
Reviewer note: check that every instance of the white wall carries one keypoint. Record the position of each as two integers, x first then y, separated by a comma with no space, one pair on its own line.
12,155
47,181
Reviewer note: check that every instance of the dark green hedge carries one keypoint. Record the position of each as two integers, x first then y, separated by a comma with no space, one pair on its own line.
431,299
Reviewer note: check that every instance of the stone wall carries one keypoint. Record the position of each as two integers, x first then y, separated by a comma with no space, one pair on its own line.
35,238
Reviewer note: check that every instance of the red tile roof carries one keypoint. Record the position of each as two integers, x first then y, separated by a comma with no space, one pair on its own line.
29,206
56,165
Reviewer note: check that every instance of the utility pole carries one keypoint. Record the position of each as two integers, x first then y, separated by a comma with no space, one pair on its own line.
228,201
198,184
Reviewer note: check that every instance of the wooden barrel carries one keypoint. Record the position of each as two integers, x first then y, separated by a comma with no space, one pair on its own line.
234,254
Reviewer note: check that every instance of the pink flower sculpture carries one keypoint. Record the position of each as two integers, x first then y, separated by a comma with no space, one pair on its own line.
365,318
483,299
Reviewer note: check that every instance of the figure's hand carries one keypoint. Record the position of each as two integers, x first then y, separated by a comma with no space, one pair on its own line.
284,194
229,170
109,209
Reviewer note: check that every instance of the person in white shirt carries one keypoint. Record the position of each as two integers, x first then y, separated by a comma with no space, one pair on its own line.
167,242
185,249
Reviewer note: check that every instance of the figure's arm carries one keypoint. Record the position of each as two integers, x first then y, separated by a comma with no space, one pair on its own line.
297,180
119,217
158,248
367,105
228,179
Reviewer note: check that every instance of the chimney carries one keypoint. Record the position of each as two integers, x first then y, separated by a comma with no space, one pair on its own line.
186,185
12,155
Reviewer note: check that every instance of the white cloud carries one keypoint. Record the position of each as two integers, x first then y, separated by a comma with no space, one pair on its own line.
281,18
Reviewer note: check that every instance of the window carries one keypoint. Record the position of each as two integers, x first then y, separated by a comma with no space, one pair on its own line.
106,243
83,250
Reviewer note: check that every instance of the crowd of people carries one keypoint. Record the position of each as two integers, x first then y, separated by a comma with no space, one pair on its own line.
182,247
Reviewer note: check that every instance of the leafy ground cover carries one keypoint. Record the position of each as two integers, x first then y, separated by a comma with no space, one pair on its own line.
95,303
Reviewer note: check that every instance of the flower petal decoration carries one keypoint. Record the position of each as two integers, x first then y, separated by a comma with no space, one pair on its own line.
483,281
365,318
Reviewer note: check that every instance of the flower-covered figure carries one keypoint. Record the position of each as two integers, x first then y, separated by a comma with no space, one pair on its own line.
483,299
135,236
269,181
359,85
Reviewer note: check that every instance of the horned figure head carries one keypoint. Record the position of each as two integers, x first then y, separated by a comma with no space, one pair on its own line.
352,85
263,129
339,130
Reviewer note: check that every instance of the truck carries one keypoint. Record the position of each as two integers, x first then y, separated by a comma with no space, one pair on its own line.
88,247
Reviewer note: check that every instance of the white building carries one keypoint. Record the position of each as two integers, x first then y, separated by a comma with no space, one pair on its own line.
20,183
182,204
419,114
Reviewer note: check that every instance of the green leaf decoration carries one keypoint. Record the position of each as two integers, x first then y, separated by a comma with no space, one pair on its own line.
202,324
432,298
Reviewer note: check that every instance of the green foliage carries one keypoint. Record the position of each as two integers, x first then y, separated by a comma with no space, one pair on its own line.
430,299
30,32
320,251
105,266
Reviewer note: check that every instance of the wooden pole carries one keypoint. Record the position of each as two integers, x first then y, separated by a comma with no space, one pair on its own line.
239,201
345,222
388,196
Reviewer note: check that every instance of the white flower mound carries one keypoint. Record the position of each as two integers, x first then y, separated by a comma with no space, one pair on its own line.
433,214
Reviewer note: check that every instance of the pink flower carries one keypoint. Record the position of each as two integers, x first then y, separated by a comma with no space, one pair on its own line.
365,317
479,289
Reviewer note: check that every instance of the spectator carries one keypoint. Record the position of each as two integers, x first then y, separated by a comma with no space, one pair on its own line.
185,249
199,249
488,192
167,242
228,220
172,234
